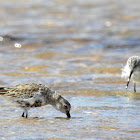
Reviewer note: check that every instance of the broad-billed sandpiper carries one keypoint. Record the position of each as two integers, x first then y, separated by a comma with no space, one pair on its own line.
132,69
27,96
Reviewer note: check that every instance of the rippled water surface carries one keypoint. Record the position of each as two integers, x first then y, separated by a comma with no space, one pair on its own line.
78,48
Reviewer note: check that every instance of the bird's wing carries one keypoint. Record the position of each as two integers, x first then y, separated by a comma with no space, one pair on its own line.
22,90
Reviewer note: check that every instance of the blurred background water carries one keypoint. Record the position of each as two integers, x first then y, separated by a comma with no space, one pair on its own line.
78,48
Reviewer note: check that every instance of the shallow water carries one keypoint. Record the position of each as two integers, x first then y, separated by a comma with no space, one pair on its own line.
78,48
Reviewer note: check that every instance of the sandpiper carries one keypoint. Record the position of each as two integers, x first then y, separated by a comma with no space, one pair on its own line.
132,69
27,96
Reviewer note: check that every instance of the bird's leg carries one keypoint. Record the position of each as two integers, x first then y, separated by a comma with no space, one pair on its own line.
22,114
134,87
26,113
129,79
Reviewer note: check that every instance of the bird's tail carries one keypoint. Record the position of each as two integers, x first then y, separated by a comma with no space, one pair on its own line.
2,90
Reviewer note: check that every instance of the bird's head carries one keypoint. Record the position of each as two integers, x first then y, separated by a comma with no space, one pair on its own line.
63,105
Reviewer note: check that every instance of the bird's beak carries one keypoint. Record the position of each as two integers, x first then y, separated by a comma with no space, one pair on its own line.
68,115
129,79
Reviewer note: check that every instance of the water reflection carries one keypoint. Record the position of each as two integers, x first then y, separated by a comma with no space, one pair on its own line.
89,114
17,45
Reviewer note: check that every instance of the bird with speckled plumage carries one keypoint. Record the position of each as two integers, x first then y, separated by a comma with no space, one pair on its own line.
28,96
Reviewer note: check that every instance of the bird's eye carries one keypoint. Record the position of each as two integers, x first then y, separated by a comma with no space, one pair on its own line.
65,106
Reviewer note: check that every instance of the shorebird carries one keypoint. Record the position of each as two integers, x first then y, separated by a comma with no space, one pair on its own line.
27,96
132,69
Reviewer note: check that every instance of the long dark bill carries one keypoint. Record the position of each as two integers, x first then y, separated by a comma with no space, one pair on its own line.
129,79
68,115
